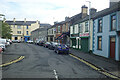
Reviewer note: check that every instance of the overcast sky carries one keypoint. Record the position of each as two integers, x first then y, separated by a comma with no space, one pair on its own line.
46,11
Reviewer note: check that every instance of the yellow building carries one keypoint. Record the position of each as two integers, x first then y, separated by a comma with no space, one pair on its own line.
21,30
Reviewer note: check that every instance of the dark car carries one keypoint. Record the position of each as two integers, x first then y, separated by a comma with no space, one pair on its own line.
52,45
61,48
41,43
47,44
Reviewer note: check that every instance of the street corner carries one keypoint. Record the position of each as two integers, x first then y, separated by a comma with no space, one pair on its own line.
10,59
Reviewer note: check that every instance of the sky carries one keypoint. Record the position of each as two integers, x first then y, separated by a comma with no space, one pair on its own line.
46,11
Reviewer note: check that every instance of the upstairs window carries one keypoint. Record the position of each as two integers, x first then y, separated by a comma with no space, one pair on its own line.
18,32
27,33
113,22
81,28
58,29
100,25
26,27
86,26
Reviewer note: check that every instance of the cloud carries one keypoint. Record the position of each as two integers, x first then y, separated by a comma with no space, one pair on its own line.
46,11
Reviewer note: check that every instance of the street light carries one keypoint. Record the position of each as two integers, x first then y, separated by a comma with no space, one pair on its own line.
89,20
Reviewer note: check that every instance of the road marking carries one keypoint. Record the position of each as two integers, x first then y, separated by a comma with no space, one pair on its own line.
55,73
19,59
95,68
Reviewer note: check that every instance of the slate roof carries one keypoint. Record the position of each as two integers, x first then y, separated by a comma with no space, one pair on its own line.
99,14
20,22
107,11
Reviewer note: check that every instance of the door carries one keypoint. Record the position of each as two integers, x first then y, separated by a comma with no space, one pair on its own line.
78,43
112,47
16,38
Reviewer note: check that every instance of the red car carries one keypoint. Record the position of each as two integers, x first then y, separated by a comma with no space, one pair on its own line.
0,49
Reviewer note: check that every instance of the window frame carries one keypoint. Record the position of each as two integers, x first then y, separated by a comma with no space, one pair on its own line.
111,22
87,26
100,26
98,44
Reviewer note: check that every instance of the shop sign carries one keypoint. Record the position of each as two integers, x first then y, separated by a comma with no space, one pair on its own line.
84,35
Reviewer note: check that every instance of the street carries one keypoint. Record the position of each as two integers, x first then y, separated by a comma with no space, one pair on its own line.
40,62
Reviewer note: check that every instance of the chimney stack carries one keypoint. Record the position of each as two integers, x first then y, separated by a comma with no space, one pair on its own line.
25,20
14,19
113,2
92,11
84,11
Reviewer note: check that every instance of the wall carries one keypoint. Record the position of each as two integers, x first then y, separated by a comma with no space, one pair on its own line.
106,33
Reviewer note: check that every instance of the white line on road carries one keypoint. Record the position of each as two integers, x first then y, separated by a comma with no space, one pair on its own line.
55,73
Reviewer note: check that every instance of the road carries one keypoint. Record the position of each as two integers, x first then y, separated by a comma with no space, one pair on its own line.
40,62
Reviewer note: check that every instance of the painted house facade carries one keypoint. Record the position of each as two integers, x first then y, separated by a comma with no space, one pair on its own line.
21,30
51,34
106,32
40,33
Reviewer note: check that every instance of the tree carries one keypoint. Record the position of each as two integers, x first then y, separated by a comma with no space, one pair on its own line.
6,31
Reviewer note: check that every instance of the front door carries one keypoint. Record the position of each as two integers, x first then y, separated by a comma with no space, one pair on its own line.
112,47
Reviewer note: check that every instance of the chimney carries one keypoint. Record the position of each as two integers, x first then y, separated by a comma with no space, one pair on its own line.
92,11
55,22
66,18
14,19
113,2
25,20
37,21
84,11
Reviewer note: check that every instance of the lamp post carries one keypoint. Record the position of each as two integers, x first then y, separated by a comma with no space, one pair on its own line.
1,25
89,21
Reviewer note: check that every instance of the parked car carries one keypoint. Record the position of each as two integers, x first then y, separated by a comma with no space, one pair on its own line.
30,41
10,41
0,50
3,41
37,41
61,48
3,46
16,41
41,43
52,45
46,44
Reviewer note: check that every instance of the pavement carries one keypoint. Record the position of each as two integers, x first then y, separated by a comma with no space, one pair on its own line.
106,64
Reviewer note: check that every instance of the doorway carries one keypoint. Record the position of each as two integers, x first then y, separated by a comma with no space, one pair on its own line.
112,47
16,38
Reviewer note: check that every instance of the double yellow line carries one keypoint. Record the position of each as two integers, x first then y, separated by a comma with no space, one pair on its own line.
95,68
6,64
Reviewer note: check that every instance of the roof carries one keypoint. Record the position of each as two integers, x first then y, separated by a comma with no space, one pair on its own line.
44,24
100,13
20,22
107,11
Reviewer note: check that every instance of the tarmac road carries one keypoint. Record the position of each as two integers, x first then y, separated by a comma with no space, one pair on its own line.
41,62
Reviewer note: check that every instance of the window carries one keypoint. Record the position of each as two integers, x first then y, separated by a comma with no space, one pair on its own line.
27,33
18,32
113,22
18,27
99,43
100,25
71,30
81,28
26,27
86,26
58,29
